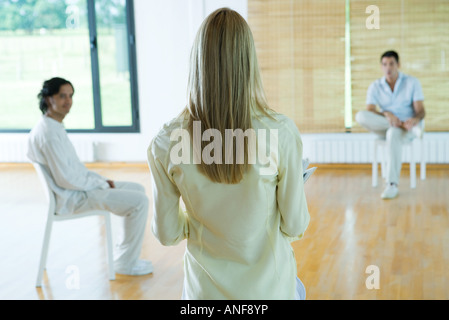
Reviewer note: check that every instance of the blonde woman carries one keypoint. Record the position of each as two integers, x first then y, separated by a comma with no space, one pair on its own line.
237,165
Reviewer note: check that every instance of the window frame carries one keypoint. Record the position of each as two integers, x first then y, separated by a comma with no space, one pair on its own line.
95,73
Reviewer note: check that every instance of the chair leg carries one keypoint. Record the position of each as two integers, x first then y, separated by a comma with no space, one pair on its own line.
107,218
423,170
383,165
374,166
412,167
423,161
44,252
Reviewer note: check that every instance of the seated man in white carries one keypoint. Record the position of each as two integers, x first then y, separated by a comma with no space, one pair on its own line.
78,189
400,99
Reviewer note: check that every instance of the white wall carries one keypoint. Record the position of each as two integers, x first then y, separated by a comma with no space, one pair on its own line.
165,30
164,34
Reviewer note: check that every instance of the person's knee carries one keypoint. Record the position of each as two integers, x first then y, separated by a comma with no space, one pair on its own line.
139,209
130,186
361,117
394,133
138,187
139,204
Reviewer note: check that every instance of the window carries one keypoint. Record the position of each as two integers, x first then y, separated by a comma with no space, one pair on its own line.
89,42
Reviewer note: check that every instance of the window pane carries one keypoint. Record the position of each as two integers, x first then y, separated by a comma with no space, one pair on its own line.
39,40
113,62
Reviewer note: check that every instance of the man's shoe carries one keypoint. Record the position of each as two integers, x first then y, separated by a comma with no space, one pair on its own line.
141,268
390,192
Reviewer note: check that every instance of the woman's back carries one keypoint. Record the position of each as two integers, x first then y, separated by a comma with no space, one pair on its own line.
238,235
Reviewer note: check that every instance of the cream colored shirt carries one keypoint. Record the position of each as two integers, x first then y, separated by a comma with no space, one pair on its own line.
238,236
49,145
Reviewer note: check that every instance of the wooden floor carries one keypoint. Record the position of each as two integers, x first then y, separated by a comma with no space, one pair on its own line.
351,228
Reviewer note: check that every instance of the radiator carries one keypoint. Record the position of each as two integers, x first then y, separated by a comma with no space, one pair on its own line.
14,149
359,148
319,148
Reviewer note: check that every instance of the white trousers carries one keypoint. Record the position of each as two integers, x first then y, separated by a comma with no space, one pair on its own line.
395,137
128,201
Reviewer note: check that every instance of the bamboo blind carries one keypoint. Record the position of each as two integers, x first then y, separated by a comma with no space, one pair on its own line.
301,52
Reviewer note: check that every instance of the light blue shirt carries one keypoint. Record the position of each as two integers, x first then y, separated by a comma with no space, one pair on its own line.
407,89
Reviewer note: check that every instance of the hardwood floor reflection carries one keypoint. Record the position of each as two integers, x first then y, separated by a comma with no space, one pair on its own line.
351,228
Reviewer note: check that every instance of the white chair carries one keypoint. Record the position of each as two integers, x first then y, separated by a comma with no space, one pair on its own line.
382,143
45,179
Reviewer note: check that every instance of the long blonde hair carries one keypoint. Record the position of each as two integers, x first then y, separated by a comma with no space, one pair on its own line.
225,86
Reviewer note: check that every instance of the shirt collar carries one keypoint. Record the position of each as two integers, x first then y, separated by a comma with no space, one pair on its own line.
398,80
400,75
52,122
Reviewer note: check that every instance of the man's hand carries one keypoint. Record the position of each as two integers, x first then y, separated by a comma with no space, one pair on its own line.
111,183
393,120
410,123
